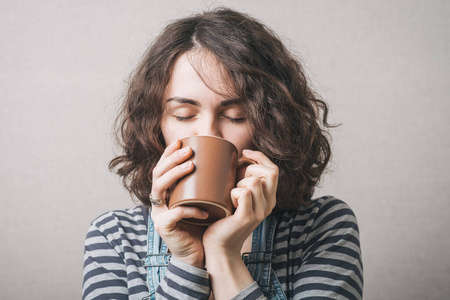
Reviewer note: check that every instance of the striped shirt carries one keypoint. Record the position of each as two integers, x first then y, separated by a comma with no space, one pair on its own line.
317,252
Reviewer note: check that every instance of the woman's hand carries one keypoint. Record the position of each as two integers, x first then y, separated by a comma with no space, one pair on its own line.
254,199
183,240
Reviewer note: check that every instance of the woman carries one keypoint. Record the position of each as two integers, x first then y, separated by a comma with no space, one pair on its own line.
224,74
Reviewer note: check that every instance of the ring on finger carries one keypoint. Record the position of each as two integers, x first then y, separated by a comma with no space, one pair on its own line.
156,201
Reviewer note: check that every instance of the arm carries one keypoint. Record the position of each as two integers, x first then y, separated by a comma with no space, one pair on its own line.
254,199
183,281
114,247
104,269
183,240
185,277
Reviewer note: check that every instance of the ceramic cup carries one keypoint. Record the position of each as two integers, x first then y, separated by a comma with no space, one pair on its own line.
209,185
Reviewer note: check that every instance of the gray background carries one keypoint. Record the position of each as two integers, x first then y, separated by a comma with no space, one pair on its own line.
382,65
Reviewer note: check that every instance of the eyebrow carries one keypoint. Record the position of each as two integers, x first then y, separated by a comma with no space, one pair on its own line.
184,100
196,103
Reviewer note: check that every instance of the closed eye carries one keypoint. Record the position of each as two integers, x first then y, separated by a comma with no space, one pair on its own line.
235,120
183,119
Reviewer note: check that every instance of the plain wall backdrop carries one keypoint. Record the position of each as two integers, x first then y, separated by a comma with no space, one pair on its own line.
383,66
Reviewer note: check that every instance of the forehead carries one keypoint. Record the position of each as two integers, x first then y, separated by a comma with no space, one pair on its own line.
202,66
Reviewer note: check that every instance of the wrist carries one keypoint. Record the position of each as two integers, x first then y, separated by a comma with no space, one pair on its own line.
220,258
219,254
228,274
192,261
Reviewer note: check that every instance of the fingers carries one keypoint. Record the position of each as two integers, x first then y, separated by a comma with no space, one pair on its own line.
261,205
171,157
171,166
167,221
262,179
253,184
183,240
165,181
264,169
242,199
259,157
171,148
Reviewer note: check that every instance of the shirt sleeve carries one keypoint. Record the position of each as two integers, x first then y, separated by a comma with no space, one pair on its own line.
251,292
183,281
114,248
331,266
104,275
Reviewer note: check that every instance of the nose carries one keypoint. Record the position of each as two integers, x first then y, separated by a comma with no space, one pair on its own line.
209,127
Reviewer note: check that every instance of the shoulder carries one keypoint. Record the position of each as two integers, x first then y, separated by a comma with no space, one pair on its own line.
126,218
322,242
326,220
132,216
119,225
114,247
319,211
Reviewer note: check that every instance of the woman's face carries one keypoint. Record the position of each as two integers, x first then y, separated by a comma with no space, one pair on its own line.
192,108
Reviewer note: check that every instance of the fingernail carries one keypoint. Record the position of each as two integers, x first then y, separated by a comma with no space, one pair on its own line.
235,192
174,143
205,213
186,165
184,150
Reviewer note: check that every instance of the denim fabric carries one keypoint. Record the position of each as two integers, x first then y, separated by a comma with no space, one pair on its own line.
259,260
156,261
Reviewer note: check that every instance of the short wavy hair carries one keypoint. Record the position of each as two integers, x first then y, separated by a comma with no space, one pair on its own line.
287,119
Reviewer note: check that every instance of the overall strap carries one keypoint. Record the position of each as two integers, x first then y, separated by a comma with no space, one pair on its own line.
259,260
156,261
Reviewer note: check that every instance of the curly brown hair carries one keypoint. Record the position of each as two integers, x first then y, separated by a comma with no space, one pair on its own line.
288,120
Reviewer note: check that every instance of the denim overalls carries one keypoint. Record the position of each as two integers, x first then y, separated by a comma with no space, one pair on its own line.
258,261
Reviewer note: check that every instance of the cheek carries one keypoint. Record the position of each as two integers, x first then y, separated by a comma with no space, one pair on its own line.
172,131
243,141
167,132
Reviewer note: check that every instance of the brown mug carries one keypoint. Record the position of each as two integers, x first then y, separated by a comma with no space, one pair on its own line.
209,185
